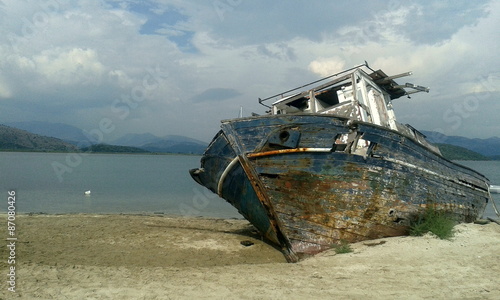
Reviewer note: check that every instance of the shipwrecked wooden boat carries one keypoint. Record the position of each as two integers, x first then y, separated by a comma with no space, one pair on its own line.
330,164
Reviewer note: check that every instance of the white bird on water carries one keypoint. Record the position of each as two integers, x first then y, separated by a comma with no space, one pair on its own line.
87,193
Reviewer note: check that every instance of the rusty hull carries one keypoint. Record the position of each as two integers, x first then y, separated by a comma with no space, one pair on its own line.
308,182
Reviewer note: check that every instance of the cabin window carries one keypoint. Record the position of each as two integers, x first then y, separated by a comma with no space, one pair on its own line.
300,104
328,98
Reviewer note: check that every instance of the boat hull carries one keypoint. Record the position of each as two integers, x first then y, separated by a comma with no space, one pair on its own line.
310,182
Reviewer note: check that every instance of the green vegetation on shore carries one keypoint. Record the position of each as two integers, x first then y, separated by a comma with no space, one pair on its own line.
453,152
342,247
13,139
439,223
104,148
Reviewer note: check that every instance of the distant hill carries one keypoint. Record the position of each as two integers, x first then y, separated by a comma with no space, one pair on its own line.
136,140
487,147
167,144
146,141
104,148
22,140
169,147
57,137
453,152
68,133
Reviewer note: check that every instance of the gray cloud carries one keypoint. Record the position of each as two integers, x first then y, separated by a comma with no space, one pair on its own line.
215,94
70,61
435,21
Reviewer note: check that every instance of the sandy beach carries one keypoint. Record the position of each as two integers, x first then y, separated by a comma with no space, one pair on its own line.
161,257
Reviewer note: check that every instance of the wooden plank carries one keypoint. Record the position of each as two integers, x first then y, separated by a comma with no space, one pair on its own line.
262,195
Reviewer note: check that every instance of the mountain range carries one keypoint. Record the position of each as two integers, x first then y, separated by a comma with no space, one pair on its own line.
169,143
489,147
65,135
146,141
21,140
65,132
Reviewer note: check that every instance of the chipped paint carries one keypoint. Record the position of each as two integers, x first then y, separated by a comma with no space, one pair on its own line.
315,197
309,181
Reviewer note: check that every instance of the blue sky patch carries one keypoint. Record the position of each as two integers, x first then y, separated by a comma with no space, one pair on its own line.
166,22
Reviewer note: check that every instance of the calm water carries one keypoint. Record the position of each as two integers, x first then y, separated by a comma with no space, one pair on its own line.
490,169
56,182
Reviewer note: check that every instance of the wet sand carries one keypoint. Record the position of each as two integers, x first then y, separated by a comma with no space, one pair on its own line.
161,257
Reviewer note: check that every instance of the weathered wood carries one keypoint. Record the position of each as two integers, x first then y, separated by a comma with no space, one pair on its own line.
311,180
316,197
262,196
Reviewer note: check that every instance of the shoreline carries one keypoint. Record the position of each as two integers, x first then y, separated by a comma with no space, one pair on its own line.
126,256
86,152
160,214
170,153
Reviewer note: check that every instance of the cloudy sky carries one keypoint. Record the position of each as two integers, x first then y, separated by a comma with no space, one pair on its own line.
179,67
